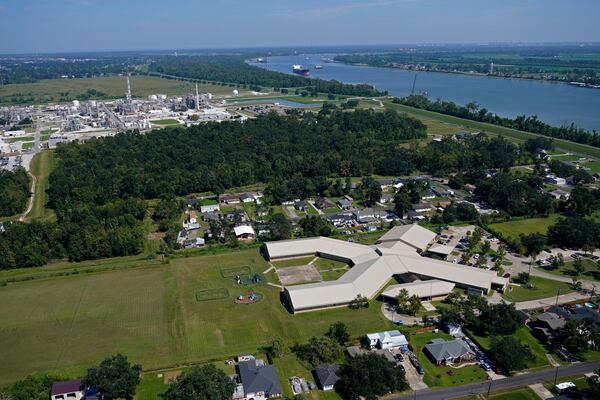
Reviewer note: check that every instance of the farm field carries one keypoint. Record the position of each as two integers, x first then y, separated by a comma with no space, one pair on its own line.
65,324
57,90
542,288
528,226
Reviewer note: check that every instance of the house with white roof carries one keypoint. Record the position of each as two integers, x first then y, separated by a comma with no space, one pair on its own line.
244,232
388,340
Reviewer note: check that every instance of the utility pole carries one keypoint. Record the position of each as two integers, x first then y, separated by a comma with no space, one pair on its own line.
555,375
489,388
557,294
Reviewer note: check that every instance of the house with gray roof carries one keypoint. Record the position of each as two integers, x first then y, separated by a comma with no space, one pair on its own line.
327,376
442,351
260,382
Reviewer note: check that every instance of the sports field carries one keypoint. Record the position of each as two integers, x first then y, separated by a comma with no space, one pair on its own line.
65,324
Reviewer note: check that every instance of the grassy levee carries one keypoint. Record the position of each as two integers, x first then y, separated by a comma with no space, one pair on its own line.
65,324
41,166
499,130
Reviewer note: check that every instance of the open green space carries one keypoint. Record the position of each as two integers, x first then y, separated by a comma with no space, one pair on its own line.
292,262
57,90
66,324
167,121
591,270
516,227
512,134
524,336
41,167
542,288
512,394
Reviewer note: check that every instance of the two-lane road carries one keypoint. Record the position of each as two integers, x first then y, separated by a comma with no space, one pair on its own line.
507,383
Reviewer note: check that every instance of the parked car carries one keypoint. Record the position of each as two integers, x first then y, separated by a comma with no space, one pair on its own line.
506,275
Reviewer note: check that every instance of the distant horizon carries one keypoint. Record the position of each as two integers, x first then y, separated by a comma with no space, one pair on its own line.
73,26
514,44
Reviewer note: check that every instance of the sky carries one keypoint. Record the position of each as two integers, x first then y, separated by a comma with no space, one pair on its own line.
43,26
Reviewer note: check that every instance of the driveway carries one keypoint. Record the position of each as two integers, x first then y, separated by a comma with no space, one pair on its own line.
415,381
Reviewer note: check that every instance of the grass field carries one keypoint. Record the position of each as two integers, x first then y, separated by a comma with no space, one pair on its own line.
41,166
513,394
591,270
512,134
165,122
542,288
65,324
54,90
292,262
525,226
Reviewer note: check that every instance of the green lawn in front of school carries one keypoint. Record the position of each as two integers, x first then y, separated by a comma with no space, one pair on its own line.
66,324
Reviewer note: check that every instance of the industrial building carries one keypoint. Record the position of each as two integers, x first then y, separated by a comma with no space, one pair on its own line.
396,254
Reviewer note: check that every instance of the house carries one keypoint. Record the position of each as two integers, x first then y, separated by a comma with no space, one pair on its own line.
192,202
385,184
262,211
422,207
327,376
442,351
576,313
546,325
247,198
355,351
193,217
211,216
370,227
72,390
414,216
365,216
323,202
344,204
386,198
301,205
244,232
398,185
209,208
560,194
260,382
555,180
428,195
470,188
388,340
342,219
229,199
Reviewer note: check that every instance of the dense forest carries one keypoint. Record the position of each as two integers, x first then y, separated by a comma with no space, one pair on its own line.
23,69
98,188
523,123
234,69
14,191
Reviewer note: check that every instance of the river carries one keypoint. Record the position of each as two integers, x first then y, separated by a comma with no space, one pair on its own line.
554,103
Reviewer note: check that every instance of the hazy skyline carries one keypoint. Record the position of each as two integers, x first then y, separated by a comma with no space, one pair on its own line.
89,25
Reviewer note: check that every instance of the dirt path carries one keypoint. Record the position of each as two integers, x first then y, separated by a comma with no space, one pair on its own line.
31,198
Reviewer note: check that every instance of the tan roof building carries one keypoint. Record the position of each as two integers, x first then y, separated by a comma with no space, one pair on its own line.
374,266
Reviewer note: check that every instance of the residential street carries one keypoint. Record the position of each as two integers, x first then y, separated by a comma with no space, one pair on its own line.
512,382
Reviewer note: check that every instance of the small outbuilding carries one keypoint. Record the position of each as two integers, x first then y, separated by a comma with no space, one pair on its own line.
327,376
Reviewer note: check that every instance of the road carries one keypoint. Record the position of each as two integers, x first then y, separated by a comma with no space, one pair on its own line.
512,382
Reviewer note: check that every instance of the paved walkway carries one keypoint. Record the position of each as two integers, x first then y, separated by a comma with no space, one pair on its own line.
541,391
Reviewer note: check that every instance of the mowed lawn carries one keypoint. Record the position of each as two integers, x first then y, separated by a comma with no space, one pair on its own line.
525,226
542,288
64,325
